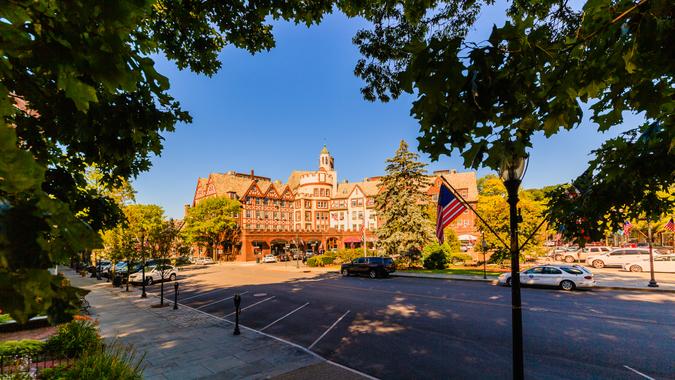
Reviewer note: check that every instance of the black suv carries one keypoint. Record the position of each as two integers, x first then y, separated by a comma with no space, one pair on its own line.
372,266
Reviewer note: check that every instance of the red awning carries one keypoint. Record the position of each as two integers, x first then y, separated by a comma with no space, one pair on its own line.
352,239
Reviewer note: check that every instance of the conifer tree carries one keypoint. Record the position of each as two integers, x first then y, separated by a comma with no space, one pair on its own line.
405,229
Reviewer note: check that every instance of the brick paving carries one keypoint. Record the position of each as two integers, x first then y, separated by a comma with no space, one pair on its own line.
187,344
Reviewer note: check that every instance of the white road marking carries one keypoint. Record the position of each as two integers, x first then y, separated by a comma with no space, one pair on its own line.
198,295
639,373
326,332
250,306
284,316
215,302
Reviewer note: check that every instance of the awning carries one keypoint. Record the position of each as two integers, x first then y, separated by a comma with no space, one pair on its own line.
352,239
467,237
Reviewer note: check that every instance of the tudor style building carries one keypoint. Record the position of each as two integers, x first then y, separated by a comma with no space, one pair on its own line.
313,211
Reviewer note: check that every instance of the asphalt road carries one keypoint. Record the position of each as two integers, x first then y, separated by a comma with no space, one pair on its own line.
403,328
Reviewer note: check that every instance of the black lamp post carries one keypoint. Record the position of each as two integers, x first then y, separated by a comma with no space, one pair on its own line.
143,295
512,172
652,281
484,246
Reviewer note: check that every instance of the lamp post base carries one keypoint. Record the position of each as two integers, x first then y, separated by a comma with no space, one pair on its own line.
653,284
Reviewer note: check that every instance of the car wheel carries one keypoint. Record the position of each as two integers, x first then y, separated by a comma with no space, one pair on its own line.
508,282
635,268
567,285
557,257
598,264
148,281
345,272
172,277
569,259
372,273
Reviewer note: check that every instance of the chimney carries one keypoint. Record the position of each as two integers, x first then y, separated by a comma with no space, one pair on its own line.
186,209
453,171
252,174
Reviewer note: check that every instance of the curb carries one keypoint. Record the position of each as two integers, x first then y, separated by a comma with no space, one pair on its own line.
494,282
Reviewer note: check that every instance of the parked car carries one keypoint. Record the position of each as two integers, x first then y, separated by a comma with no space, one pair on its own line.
565,277
372,266
269,259
618,257
204,261
662,263
582,254
153,274
309,253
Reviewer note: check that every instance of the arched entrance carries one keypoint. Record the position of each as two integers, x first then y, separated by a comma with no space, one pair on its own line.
259,246
332,243
278,247
314,245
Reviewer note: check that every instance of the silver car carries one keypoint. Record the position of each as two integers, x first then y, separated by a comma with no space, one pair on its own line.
566,277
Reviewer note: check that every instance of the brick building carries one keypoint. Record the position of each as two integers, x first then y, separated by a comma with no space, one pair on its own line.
312,210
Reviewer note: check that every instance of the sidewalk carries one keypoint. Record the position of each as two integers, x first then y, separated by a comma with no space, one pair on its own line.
619,280
187,344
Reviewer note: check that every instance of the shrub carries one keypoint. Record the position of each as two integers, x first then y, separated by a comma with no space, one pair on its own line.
435,260
114,362
460,257
327,260
312,261
5,318
346,255
27,347
74,338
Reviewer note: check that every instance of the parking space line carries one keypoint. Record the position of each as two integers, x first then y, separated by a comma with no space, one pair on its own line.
200,294
215,302
284,316
639,373
250,306
326,332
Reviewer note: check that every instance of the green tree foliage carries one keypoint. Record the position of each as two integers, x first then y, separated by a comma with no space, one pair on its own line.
213,221
537,73
401,204
78,90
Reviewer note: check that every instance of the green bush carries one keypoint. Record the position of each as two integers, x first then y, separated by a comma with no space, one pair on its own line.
5,318
115,362
346,255
435,260
27,347
312,261
74,338
460,257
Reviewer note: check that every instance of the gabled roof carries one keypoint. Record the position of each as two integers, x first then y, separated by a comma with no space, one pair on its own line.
345,189
463,180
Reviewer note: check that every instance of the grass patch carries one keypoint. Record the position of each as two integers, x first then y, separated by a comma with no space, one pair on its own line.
462,271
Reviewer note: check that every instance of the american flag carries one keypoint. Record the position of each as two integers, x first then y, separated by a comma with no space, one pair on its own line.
449,208
670,226
627,226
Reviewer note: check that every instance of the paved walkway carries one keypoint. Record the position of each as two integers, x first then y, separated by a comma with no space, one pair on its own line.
187,344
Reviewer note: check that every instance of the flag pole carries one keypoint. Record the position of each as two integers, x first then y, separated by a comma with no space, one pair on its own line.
473,210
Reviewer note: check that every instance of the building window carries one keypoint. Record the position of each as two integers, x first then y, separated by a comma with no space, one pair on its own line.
257,214
308,204
353,215
308,215
297,215
308,226
328,192
360,215
276,215
248,200
466,222
342,215
434,197
248,213
316,192
463,192
353,202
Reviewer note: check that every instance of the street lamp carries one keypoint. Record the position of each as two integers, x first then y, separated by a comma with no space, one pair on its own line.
511,172
484,246
652,281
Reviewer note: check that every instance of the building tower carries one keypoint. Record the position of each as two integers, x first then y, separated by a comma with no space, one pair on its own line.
325,160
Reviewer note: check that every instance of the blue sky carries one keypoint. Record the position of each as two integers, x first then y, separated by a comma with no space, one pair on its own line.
273,112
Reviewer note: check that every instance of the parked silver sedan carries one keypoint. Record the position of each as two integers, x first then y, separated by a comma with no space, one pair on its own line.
566,277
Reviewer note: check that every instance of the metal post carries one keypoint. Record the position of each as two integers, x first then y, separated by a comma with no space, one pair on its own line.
652,281
484,246
175,295
143,295
237,303
516,311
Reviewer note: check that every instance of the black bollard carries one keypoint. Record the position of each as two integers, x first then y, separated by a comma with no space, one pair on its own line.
175,295
237,303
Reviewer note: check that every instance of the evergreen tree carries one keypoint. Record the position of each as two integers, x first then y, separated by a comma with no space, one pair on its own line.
400,203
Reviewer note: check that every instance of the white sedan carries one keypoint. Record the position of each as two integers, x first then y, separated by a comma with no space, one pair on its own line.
566,277
269,259
662,263
153,273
